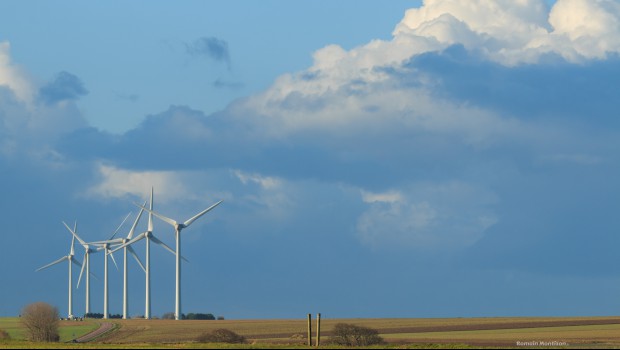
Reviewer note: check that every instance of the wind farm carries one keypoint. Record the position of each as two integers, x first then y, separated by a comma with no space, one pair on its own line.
111,245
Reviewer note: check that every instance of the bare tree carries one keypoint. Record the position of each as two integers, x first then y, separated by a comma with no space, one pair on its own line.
352,335
41,320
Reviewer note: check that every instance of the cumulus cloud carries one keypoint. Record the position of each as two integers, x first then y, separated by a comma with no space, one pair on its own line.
29,127
13,77
117,183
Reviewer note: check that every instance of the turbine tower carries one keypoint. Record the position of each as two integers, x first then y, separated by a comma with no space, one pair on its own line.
178,227
148,235
71,261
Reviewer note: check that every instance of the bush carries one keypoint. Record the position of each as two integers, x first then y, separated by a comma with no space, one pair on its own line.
168,316
352,335
221,336
4,335
41,321
199,316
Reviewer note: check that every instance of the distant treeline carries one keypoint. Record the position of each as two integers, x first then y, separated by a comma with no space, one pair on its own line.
191,316
166,316
98,315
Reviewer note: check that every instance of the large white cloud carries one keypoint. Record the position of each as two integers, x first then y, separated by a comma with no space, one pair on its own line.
28,126
14,77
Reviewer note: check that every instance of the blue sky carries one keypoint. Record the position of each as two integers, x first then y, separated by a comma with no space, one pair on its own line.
376,159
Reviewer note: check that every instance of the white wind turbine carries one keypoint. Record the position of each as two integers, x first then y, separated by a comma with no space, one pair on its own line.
71,261
178,227
133,252
148,235
86,264
105,246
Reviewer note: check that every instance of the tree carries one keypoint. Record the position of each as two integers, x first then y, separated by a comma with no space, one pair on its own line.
41,320
352,335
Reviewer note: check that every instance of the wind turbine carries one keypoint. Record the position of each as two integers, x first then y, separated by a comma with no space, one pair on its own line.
71,261
148,235
178,227
133,252
86,264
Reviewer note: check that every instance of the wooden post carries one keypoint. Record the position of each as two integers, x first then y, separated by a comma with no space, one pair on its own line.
309,329
318,329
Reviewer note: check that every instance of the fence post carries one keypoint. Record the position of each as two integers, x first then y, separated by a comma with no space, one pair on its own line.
318,329
309,329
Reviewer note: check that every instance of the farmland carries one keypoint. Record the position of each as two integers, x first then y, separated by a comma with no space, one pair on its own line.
574,332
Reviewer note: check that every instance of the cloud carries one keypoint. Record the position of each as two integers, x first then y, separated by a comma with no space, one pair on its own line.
13,77
210,47
121,183
64,87
28,127
432,127
427,216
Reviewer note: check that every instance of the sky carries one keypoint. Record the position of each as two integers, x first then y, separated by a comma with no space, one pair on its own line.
432,158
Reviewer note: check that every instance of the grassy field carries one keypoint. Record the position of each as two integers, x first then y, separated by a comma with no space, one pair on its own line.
576,332
67,329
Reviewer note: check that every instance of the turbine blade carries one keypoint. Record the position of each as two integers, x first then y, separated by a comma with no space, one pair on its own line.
189,222
133,252
82,242
52,263
76,262
110,241
81,271
119,226
155,240
113,260
150,225
164,218
135,223
72,251
132,241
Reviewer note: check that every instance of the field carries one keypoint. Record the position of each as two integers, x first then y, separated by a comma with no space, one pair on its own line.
574,332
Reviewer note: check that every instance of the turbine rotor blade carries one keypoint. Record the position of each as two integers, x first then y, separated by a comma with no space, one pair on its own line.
162,217
82,242
52,263
133,252
119,226
76,262
135,223
132,241
82,271
113,260
189,222
156,240
150,225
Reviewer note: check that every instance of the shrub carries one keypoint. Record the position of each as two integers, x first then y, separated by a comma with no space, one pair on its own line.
168,316
199,316
221,336
352,335
41,321
4,335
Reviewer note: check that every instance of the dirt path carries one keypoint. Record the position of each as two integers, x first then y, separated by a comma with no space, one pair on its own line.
103,328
